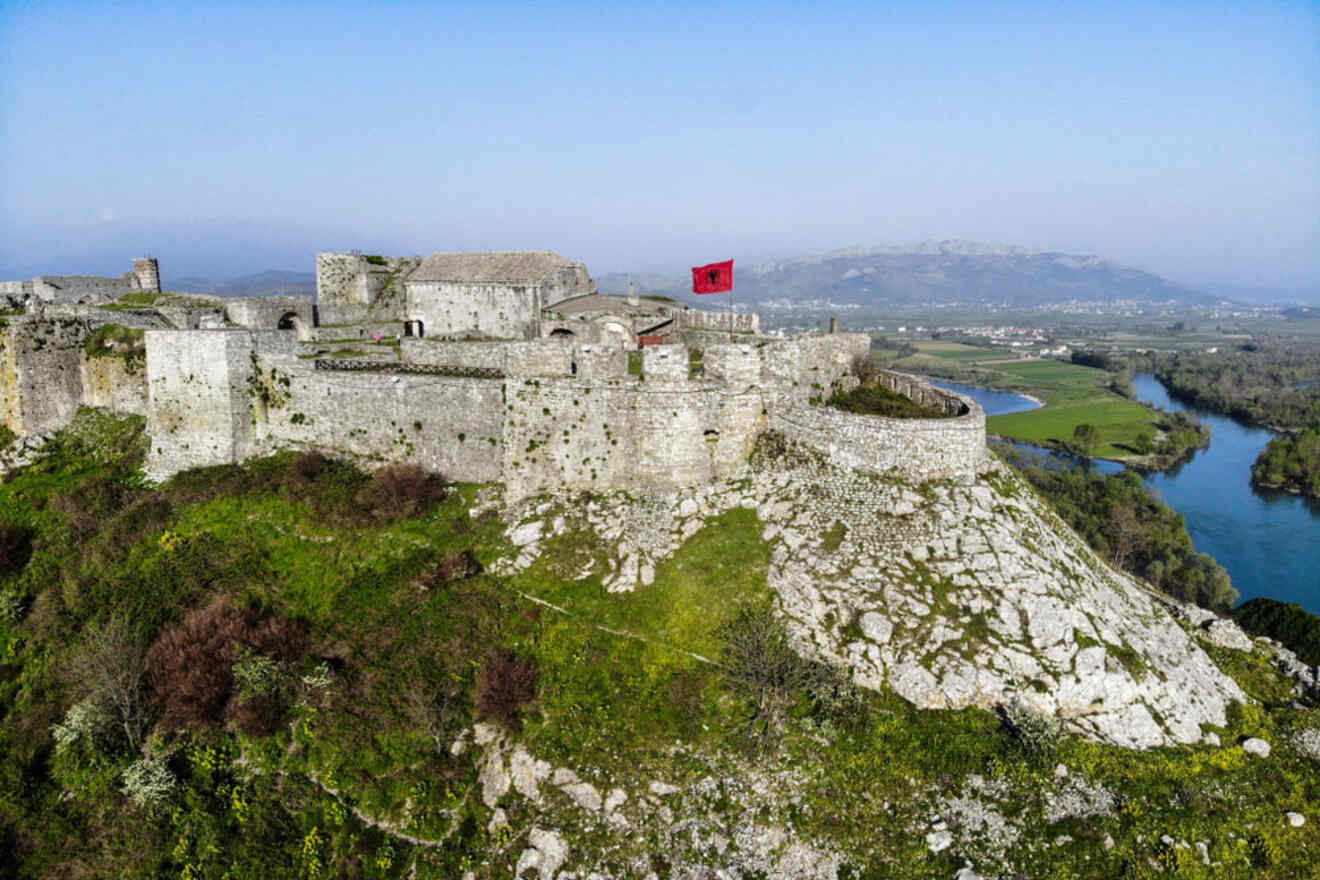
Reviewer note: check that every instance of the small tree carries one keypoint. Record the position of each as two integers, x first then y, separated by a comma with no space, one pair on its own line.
112,669
1085,438
763,667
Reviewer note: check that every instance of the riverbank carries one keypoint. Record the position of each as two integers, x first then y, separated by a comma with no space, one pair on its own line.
1269,541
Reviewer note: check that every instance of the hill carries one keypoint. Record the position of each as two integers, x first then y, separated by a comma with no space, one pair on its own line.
294,668
938,272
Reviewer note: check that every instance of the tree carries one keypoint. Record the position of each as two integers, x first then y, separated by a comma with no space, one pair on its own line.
112,669
1085,437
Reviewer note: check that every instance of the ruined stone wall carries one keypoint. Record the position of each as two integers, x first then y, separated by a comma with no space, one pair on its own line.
200,391
115,383
339,281
450,426
915,449
41,372
501,311
146,275
738,322
266,312
80,288
376,284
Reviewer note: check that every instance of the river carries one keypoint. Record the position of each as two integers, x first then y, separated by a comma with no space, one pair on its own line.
1268,541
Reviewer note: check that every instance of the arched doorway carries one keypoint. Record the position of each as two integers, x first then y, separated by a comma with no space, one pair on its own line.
561,333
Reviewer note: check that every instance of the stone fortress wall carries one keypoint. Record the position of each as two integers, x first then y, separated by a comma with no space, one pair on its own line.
536,414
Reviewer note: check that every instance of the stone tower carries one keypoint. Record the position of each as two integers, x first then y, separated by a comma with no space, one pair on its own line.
146,275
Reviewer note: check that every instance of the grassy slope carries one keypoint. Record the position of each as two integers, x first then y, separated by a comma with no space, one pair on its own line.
610,705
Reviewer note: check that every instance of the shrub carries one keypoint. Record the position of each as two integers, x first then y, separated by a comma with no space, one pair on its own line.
111,669
505,685
307,466
865,368
86,721
1035,736
15,548
763,668
454,566
149,782
400,490
192,664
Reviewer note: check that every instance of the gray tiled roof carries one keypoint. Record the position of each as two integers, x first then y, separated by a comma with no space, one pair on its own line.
493,267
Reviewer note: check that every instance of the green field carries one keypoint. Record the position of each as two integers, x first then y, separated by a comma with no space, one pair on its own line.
1073,395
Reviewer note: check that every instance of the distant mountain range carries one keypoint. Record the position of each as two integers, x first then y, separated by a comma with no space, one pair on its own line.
929,273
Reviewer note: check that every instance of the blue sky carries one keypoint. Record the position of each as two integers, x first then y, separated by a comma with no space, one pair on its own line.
227,138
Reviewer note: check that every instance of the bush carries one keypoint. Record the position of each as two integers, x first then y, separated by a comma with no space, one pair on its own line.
149,782
865,368
192,664
505,685
15,548
763,668
1035,736
399,490
457,565
307,466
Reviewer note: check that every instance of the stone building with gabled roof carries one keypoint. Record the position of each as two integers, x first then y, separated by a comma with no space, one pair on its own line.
497,295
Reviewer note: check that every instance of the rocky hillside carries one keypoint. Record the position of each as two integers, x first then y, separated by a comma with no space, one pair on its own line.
929,273
292,668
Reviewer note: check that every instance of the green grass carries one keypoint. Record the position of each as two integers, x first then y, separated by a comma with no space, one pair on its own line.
1073,395
618,699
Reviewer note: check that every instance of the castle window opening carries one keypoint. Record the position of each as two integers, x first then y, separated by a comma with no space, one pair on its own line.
561,332
288,321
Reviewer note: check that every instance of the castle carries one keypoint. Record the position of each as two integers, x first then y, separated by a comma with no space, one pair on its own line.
494,367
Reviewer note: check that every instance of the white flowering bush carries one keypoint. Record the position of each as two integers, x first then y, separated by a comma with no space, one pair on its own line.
149,782
85,721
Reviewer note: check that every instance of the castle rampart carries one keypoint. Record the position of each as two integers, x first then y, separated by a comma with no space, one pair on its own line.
537,414
918,449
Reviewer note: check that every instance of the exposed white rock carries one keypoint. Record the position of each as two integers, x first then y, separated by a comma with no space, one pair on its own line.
962,593
1256,746
662,789
527,533
585,795
546,853
1296,820
1227,634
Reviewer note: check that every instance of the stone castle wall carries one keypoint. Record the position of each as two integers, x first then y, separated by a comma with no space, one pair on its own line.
502,311
200,388
266,312
917,449
374,286
451,426
115,383
41,373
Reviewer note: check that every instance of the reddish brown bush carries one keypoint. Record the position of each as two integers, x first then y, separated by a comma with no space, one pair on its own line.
456,566
191,664
505,685
400,490
15,547
307,466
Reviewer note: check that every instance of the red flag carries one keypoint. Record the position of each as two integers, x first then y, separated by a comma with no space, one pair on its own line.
715,278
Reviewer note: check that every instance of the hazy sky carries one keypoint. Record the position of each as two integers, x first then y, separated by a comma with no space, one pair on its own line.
1181,138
